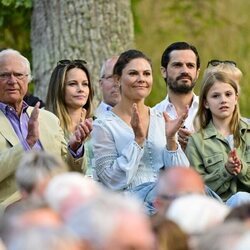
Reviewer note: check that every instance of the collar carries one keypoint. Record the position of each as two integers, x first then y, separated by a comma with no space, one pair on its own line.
105,105
194,104
6,108
211,131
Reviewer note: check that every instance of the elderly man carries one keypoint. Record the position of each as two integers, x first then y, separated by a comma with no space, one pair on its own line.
24,128
109,87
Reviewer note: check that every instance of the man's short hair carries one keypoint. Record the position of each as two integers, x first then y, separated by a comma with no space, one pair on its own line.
178,46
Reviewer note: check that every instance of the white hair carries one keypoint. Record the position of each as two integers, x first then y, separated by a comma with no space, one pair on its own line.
35,166
195,213
95,221
41,238
9,52
104,65
224,236
244,242
66,191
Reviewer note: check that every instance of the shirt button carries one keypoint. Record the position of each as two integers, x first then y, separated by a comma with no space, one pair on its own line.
209,161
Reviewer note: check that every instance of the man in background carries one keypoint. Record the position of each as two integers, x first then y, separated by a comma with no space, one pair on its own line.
109,87
180,67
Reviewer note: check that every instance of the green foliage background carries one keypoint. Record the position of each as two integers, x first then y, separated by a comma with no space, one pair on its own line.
220,29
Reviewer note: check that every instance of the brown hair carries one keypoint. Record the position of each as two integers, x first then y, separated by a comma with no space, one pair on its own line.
205,115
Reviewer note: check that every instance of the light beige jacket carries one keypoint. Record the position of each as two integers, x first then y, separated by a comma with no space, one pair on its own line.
11,149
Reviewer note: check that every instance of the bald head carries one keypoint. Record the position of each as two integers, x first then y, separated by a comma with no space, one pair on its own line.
180,180
174,182
109,86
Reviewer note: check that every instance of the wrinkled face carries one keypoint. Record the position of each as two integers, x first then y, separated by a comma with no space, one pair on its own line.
109,86
76,88
13,80
133,232
221,100
181,72
136,80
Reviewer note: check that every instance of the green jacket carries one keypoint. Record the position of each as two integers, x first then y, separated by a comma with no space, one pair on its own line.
207,152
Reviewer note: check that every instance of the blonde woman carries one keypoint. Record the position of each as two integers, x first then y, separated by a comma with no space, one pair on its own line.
70,96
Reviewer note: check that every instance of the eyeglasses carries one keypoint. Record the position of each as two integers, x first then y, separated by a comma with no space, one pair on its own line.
172,197
216,62
168,197
108,77
66,62
7,75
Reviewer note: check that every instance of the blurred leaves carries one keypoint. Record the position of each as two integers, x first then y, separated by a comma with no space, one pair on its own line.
218,28
17,3
15,19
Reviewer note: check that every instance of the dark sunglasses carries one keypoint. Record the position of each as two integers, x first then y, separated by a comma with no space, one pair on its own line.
66,62
216,62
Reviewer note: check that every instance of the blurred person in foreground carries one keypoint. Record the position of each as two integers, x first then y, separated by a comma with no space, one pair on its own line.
33,174
75,190
196,213
169,236
173,183
112,222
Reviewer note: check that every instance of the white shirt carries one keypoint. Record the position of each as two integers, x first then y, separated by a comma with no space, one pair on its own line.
120,163
167,106
102,108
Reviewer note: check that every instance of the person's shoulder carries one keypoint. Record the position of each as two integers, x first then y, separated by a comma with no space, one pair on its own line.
245,121
244,124
156,112
161,106
197,136
105,118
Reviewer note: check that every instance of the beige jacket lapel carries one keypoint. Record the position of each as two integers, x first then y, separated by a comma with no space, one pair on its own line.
7,130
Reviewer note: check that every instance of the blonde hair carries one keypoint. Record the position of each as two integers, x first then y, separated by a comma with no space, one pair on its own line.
230,69
205,115
56,104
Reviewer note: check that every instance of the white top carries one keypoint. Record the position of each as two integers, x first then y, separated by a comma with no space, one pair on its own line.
102,108
167,106
120,163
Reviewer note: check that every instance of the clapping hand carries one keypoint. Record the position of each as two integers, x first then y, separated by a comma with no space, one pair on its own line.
33,126
183,135
81,133
136,125
172,127
233,164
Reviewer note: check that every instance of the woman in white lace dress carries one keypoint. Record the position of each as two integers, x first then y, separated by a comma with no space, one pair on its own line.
132,142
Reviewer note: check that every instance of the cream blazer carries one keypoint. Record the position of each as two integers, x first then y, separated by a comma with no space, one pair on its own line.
11,149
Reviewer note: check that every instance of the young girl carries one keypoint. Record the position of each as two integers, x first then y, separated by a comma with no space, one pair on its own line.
220,150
